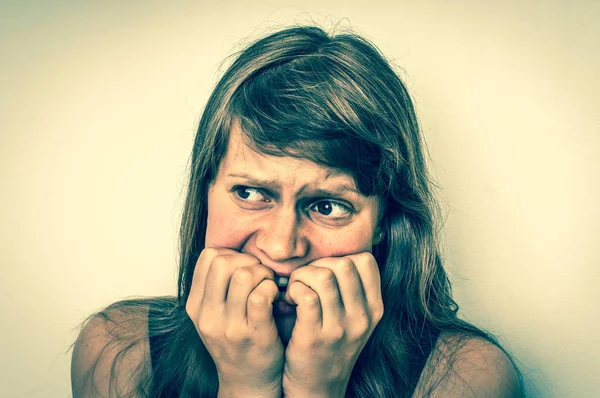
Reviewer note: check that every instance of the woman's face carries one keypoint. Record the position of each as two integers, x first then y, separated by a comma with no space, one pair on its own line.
286,212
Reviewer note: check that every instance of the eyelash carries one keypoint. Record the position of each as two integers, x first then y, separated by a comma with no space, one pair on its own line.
347,209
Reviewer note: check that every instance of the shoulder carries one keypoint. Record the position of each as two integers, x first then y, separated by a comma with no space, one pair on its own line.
466,366
112,346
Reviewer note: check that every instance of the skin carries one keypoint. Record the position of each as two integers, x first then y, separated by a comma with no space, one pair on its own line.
283,215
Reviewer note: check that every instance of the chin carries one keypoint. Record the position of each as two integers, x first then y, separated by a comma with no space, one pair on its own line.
285,325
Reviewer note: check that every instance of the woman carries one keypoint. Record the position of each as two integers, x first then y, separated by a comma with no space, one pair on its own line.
310,263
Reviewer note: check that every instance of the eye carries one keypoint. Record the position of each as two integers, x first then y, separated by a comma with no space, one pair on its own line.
249,194
332,210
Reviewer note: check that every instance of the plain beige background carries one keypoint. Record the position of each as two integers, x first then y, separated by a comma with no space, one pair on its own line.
99,102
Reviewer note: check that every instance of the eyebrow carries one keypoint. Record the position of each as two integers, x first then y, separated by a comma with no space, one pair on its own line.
339,189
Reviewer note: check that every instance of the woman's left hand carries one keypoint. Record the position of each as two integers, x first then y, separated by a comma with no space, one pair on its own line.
338,306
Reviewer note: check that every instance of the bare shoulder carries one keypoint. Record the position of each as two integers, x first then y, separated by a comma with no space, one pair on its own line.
111,347
462,366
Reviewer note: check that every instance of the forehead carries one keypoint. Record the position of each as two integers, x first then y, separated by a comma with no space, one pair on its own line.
240,158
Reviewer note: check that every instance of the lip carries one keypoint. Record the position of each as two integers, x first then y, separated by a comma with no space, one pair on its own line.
278,268
283,308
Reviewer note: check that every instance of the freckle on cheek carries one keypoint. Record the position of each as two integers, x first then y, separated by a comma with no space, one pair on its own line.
226,231
335,247
342,246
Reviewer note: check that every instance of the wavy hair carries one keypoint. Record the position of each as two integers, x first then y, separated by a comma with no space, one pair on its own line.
332,99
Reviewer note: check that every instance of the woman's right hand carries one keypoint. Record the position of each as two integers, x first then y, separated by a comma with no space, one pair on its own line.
230,303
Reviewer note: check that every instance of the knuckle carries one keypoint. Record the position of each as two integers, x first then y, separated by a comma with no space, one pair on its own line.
258,299
362,325
190,309
242,276
206,329
365,256
230,335
248,258
266,287
265,271
325,277
209,252
335,334
219,261
364,259
378,311
310,299
233,335
345,266
271,287
261,270
292,288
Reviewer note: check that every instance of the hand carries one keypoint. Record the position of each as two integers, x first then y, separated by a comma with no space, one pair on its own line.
230,303
338,306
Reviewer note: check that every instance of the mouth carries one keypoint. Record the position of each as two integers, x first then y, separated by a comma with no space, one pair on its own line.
282,283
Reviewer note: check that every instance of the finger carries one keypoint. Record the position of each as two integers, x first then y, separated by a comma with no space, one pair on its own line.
199,276
349,283
260,304
243,282
367,268
219,276
309,315
323,281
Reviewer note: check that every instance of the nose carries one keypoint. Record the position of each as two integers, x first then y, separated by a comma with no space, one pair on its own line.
280,237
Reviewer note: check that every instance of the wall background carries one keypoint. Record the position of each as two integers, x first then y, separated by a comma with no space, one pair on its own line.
98,105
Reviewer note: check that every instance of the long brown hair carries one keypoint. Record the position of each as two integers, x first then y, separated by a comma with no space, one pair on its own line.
335,100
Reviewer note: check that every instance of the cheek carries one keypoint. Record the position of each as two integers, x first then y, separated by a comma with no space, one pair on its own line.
224,227
341,243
